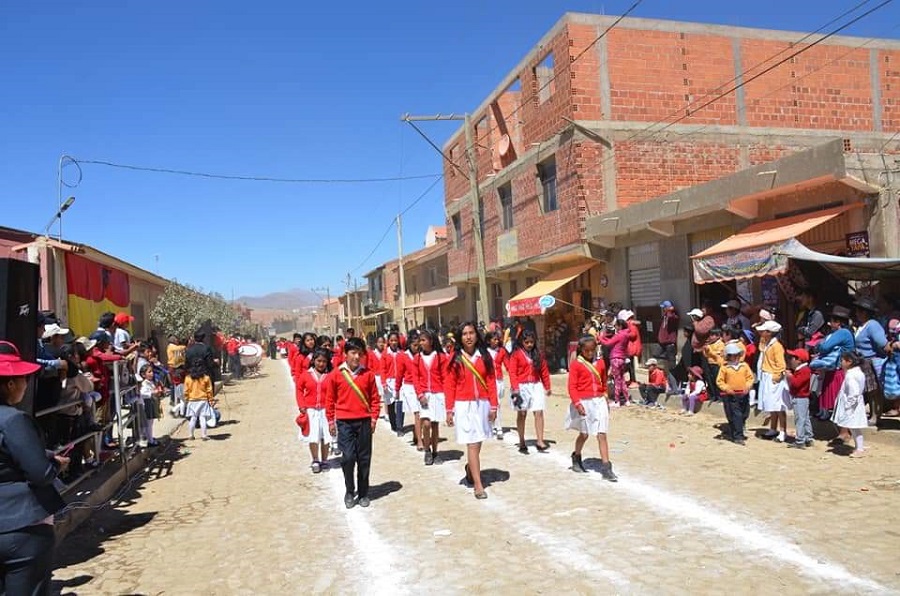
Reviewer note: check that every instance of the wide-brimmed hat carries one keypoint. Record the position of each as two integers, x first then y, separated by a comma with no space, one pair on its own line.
866,303
770,326
53,329
87,343
652,362
697,371
840,312
732,304
12,365
696,313
765,315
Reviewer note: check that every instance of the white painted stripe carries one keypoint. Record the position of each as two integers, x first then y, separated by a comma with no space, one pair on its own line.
759,539
559,547
378,558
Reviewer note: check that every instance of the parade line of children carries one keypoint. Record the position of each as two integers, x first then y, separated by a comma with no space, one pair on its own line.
341,390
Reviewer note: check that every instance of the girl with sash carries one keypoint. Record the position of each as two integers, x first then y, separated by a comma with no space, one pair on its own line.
471,391
375,363
589,412
311,402
406,386
499,354
529,379
352,407
431,368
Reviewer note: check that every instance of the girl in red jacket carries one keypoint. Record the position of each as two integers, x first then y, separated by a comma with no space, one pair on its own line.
471,390
405,385
431,368
499,355
529,380
589,413
375,363
311,401
393,407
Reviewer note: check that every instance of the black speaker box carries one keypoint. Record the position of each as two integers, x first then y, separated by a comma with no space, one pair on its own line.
19,282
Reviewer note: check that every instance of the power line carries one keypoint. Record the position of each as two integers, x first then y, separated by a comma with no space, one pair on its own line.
769,69
754,67
391,225
252,178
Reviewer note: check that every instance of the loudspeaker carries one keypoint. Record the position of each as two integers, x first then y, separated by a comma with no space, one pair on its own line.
19,282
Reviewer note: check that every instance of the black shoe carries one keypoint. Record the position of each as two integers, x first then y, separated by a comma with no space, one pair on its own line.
607,472
523,448
797,445
429,458
543,449
349,501
436,459
364,501
577,465
739,441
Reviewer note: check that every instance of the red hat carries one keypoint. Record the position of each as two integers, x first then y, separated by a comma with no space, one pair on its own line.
698,372
12,365
123,318
302,421
801,354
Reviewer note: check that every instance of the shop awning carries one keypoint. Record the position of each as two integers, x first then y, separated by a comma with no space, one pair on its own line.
758,250
434,302
527,302
849,268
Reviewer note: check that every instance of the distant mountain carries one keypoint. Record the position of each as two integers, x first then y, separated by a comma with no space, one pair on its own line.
287,300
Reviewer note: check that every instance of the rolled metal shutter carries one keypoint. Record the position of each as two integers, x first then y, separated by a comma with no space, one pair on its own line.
644,275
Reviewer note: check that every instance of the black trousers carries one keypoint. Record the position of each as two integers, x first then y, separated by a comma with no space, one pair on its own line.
737,409
26,561
355,443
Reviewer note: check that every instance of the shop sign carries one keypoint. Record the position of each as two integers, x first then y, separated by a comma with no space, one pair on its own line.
526,307
858,244
546,301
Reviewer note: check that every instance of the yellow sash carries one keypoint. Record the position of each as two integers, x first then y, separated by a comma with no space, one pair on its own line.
474,371
591,367
345,371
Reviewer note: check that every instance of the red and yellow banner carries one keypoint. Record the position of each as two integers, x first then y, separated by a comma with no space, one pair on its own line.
93,290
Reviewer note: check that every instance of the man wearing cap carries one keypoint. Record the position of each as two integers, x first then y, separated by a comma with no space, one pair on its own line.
735,318
49,383
122,344
703,323
655,385
668,332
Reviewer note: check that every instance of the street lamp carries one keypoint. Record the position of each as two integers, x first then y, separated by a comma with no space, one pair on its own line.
62,209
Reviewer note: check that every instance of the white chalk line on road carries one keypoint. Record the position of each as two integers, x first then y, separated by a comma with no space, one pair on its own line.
559,547
760,540
382,574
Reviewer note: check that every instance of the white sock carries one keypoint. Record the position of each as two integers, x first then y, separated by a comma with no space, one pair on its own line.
858,439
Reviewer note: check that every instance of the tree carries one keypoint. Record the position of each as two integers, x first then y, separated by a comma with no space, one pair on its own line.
182,309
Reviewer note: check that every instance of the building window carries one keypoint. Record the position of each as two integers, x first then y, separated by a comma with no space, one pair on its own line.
415,290
497,295
452,158
506,206
432,277
457,230
530,281
543,79
513,287
547,178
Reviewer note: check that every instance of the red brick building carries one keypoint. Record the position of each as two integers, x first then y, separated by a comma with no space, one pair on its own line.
586,149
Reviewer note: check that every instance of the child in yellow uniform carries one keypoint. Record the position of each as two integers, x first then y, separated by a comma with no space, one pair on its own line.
734,381
714,352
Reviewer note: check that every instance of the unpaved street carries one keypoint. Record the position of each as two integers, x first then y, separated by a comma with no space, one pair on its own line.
242,514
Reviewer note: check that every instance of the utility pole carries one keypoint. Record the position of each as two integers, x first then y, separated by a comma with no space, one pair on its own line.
472,173
403,326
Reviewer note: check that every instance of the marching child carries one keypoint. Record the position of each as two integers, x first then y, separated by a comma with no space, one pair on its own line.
499,354
393,406
405,386
798,377
529,379
589,413
734,381
198,394
431,368
352,407
694,391
311,402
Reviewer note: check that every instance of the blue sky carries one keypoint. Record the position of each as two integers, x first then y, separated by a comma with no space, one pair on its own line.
274,88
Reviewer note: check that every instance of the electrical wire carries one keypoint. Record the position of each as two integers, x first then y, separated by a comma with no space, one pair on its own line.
393,223
251,178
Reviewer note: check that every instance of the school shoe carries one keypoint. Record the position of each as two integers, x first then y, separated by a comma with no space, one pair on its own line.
436,459
577,464
810,443
607,471
796,445
349,501
523,448
770,434
429,458
364,502
316,467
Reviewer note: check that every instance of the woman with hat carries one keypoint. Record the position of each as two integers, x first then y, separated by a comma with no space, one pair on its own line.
28,499
827,363
870,341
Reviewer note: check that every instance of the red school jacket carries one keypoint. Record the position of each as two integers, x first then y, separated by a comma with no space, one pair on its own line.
501,356
310,392
584,384
292,352
461,385
374,362
521,370
389,365
430,379
406,370
343,403
299,365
